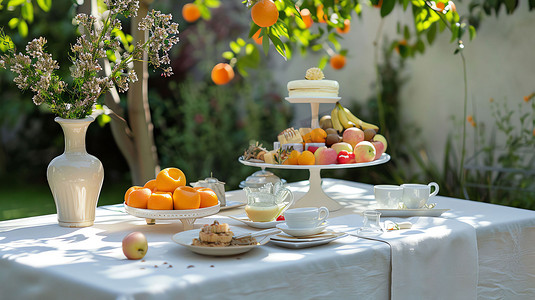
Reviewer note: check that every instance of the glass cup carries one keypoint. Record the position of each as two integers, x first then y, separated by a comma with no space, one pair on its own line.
388,196
371,224
416,195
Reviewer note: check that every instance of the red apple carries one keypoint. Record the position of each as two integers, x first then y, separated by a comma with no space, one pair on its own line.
325,156
353,136
364,152
379,149
345,157
135,245
381,139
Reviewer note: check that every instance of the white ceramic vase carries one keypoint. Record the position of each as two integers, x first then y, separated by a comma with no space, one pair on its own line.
75,177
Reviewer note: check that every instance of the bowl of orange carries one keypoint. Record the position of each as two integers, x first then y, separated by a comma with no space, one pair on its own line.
168,198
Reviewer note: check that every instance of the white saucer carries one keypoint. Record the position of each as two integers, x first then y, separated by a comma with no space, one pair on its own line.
301,231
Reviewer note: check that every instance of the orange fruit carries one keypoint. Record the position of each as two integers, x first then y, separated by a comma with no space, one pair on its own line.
307,18
345,28
453,8
186,197
337,61
160,201
379,4
257,38
139,198
322,18
208,197
306,158
318,135
151,184
191,12
264,13
441,6
129,191
222,73
292,158
169,179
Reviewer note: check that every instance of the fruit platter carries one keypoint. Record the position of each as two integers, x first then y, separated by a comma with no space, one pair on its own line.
168,198
339,140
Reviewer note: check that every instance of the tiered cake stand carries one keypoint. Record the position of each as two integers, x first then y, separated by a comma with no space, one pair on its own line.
316,197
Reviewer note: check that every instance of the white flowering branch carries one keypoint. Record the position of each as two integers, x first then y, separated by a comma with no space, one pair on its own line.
36,70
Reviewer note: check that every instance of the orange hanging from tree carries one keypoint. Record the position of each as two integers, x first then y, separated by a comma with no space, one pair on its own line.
264,13
191,12
338,61
222,73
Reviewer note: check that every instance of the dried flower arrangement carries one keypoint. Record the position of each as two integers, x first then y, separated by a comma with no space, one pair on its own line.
98,41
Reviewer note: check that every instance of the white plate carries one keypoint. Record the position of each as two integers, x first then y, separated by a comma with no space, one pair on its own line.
172,214
232,204
424,212
299,245
381,160
328,234
301,231
263,225
186,237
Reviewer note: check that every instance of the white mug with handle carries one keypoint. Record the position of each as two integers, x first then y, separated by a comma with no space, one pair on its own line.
416,195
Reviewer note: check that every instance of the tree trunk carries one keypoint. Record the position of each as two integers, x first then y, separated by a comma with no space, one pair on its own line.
135,141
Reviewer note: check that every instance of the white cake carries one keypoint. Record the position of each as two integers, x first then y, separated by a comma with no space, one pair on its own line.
313,86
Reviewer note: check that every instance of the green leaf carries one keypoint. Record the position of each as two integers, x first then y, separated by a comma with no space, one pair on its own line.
44,4
332,38
472,31
228,55
265,42
27,11
511,5
241,42
406,33
387,7
249,48
531,4
403,51
103,119
432,33
254,29
23,28
405,4
292,7
235,47
343,52
205,12
279,45
420,46
12,3
13,23
323,62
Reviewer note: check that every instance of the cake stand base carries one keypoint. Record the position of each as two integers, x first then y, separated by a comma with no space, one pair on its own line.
316,197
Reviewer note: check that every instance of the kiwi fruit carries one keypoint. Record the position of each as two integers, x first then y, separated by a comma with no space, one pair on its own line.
369,134
331,139
331,131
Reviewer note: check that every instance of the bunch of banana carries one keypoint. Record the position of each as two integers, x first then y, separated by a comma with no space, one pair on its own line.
342,118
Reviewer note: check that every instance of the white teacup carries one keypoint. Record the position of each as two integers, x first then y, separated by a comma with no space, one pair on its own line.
388,196
416,195
305,217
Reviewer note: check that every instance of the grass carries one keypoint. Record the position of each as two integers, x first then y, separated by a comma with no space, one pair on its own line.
34,200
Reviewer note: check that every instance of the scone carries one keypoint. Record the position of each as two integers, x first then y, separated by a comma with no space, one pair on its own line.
215,235
313,86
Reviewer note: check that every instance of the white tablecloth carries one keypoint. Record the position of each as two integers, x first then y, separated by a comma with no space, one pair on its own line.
39,259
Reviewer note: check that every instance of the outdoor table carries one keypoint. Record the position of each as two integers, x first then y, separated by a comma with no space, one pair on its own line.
41,260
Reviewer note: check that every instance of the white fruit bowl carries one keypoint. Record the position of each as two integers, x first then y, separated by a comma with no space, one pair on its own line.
186,216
